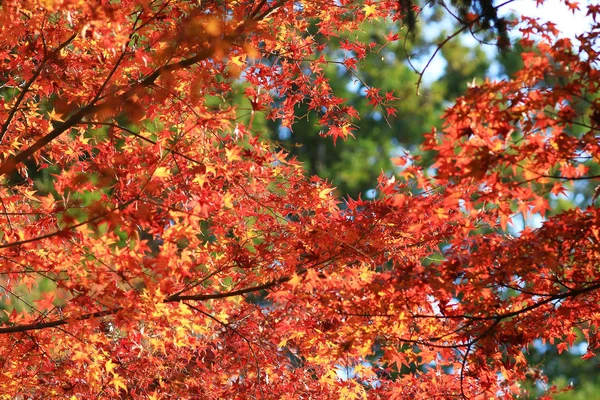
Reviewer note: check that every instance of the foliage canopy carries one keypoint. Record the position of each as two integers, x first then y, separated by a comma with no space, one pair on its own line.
154,246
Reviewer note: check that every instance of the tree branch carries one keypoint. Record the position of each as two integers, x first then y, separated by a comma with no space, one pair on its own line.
25,89
11,162
172,299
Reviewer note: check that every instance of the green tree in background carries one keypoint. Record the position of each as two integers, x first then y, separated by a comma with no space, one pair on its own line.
354,165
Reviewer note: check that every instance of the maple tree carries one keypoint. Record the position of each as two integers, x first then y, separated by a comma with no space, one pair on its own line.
154,247
354,165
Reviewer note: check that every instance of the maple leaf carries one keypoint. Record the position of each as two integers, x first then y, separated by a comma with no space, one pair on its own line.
540,205
161,172
119,383
55,116
392,37
369,9
593,10
79,355
558,189
588,355
573,5
233,154
562,347
238,61
295,281
46,302
110,367
324,194
399,161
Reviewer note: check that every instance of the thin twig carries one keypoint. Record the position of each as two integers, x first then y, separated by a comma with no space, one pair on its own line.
25,89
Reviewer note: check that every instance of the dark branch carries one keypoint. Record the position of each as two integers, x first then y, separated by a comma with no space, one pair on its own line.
25,89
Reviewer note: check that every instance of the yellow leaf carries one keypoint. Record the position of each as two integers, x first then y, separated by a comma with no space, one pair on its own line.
233,154
80,356
118,383
295,280
55,117
238,60
110,367
29,194
200,179
161,172
369,9
325,192
228,200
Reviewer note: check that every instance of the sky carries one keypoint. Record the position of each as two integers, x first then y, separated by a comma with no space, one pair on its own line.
555,11
552,10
